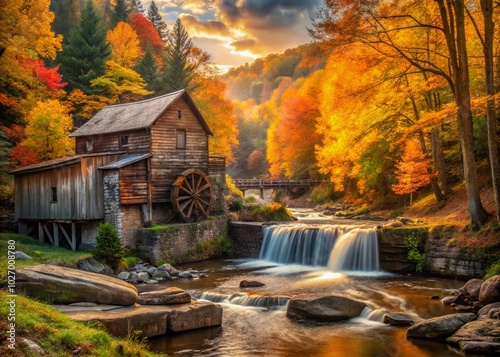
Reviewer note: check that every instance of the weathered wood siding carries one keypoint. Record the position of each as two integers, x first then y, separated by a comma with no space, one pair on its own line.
168,162
134,183
138,142
79,191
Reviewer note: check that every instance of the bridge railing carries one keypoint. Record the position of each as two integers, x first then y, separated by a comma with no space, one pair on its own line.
258,183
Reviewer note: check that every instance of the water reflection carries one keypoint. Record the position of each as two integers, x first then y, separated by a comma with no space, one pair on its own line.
266,331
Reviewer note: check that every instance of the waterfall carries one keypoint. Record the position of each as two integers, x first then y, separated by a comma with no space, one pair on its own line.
341,248
357,250
243,299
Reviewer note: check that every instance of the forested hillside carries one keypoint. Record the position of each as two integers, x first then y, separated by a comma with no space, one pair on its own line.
402,101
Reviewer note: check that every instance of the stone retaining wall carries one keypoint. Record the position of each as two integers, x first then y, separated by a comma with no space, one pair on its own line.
247,238
170,242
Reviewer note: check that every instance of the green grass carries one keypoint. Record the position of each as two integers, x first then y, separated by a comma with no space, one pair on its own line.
53,331
40,252
57,335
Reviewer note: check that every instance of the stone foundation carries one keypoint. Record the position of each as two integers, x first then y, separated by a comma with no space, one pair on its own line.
247,238
172,242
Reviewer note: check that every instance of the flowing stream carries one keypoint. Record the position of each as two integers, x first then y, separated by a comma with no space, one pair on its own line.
308,259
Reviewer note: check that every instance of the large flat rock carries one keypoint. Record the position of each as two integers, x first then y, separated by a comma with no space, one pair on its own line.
439,327
480,336
328,308
150,320
58,284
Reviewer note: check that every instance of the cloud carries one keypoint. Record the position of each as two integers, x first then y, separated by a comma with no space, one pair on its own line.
243,45
208,28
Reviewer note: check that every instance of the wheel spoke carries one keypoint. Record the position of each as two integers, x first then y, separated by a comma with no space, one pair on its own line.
185,204
201,208
190,210
205,186
188,191
202,200
186,182
197,188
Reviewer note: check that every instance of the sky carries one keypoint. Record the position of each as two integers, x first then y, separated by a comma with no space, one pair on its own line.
236,32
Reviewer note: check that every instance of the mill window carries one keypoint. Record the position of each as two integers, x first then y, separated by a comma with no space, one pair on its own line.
90,145
181,139
124,141
53,194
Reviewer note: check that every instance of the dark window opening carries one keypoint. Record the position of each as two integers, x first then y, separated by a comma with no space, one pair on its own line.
90,145
181,139
179,114
124,141
53,194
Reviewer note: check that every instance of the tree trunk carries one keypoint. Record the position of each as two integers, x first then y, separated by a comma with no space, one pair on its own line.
487,10
434,183
437,154
479,216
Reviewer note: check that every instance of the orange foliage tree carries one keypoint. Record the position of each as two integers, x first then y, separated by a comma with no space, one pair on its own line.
412,171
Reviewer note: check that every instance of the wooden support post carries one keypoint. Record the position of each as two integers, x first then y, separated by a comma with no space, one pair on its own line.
41,237
73,235
47,232
68,239
55,225
261,188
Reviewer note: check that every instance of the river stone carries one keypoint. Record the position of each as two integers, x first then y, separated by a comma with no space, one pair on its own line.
151,271
66,285
490,290
251,284
194,316
168,268
21,255
329,308
94,266
490,311
398,319
472,288
480,336
161,274
447,300
166,296
124,275
142,276
439,327
186,275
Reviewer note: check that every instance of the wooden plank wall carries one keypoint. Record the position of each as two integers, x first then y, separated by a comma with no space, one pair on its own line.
168,162
79,191
134,183
139,142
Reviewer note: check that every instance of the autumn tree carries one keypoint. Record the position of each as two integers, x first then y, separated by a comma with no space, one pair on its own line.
178,72
219,114
125,45
153,15
392,30
412,170
66,15
120,13
147,34
48,129
85,54
121,84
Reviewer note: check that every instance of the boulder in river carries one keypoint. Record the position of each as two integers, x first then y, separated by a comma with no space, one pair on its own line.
327,308
439,327
490,311
490,290
398,319
251,284
166,296
472,288
66,285
480,336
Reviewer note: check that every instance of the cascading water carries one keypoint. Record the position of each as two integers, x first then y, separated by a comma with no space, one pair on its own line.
341,248
357,250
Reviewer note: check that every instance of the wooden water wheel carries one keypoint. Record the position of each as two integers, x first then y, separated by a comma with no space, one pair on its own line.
192,195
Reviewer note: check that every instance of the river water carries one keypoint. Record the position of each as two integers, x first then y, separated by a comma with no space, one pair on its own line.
255,322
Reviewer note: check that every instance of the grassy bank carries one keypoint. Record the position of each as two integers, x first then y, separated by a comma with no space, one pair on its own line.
55,333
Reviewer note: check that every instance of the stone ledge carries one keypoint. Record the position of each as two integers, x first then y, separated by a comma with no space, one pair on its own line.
148,320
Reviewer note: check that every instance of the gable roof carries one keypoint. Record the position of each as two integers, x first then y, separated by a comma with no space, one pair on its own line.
135,115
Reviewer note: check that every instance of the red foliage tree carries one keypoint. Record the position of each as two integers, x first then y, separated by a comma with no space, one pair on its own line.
148,35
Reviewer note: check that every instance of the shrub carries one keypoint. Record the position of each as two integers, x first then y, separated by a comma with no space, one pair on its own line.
493,270
109,247
275,211
412,242
235,204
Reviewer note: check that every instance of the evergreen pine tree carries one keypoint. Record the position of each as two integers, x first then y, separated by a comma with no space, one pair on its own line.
178,72
148,69
137,6
85,54
65,12
120,13
153,15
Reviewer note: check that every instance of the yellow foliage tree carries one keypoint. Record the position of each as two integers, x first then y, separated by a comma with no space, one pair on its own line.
125,45
412,170
219,114
49,125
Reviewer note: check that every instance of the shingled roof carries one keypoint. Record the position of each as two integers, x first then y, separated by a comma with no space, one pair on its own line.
136,115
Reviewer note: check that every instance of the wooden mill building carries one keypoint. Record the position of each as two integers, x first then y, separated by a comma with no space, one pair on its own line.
136,164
